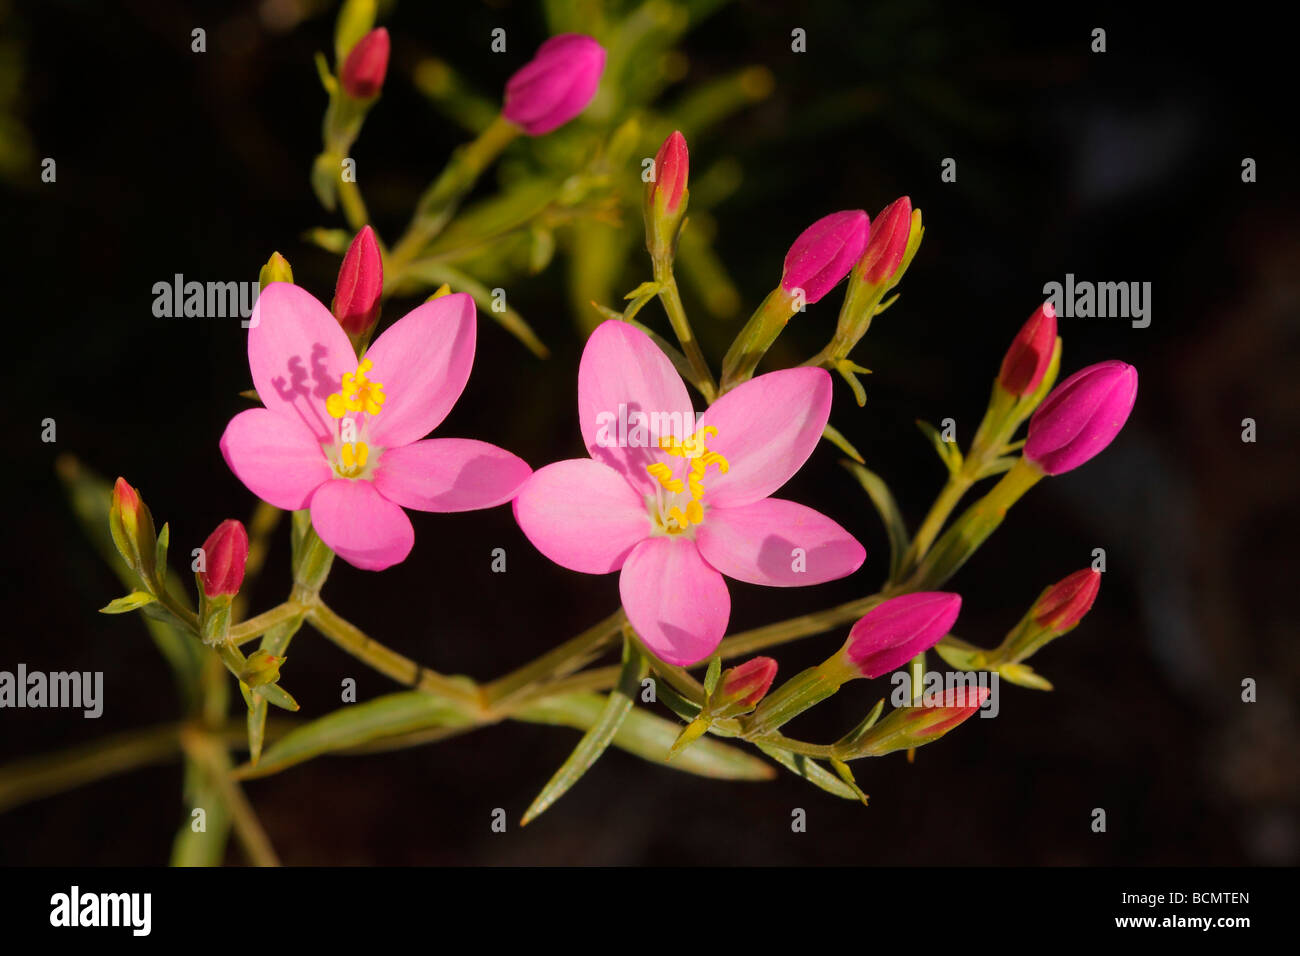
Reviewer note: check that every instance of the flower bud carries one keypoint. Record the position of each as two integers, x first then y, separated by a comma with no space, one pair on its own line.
909,727
891,634
276,270
556,84
360,283
672,167
824,253
1064,604
1081,416
742,687
261,668
131,526
889,235
224,556
1026,361
362,76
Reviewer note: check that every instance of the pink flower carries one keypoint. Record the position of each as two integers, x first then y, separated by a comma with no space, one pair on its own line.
824,253
1081,416
363,72
674,503
342,438
556,84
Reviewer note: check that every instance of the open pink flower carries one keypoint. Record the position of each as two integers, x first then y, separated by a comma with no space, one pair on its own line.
676,503
342,437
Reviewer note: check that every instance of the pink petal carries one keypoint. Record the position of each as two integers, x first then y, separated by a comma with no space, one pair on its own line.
582,515
362,527
756,543
449,474
297,354
621,366
276,457
677,604
767,428
423,362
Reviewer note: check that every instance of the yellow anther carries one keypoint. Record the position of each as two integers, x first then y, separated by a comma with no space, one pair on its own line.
356,393
664,475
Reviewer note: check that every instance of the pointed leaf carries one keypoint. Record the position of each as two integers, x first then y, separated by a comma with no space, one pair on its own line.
130,602
888,510
810,770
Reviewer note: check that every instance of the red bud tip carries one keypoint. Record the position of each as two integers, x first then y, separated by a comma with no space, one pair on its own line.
747,683
891,634
360,284
362,76
224,555
1030,353
1067,601
672,167
824,253
889,235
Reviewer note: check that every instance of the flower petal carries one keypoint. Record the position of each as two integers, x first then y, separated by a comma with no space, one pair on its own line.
625,381
757,543
582,515
678,605
297,354
276,457
767,428
423,362
449,474
362,527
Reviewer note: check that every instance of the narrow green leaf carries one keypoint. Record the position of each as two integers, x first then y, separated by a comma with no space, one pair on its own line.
438,273
355,724
712,674
853,736
650,737
888,510
810,770
130,602
276,641
833,435
276,696
594,742
947,451
160,550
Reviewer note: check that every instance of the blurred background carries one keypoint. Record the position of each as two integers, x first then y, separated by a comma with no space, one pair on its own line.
1116,166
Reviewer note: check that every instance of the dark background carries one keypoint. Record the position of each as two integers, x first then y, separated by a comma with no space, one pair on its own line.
1122,166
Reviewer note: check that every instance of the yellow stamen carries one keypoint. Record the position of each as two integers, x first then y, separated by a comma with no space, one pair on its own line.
356,393
696,449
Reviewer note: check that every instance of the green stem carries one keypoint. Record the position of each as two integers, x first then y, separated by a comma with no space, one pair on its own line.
439,202
672,303
560,662
389,662
254,627
354,207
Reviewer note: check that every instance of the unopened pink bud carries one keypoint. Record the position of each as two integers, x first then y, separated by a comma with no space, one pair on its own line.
743,686
360,284
1081,416
889,235
928,723
1067,601
362,76
1030,354
894,632
824,253
224,555
556,84
672,167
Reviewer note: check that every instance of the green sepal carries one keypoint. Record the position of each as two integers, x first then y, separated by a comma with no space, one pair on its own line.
129,602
